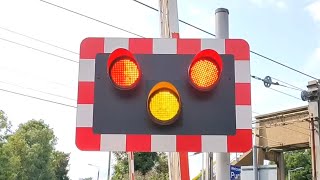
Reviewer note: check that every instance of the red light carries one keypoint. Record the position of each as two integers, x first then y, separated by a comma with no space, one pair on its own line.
205,70
123,69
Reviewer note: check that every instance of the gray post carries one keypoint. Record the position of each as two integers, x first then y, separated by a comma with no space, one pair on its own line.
222,32
255,163
109,165
312,95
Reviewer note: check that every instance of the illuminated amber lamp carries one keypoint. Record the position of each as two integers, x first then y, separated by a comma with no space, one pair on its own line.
164,104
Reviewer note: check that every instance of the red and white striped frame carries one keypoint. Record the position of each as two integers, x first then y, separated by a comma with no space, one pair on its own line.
86,140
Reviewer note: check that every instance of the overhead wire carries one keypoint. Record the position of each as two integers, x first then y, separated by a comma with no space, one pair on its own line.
34,97
295,87
39,50
94,19
35,39
285,94
189,24
51,94
253,52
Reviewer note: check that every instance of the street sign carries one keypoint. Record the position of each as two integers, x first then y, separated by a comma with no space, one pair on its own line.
235,172
161,94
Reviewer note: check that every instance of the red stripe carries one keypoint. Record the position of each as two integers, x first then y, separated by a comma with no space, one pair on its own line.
86,93
138,143
243,94
176,35
188,143
188,46
90,47
184,166
241,141
141,45
239,48
86,140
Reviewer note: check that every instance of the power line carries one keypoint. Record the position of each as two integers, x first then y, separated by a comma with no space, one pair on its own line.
34,97
285,94
268,82
45,52
297,88
29,37
200,29
56,95
94,19
253,52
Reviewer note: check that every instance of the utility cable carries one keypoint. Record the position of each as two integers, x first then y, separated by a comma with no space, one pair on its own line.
45,52
94,19
285,94
34,97
29,37
124,30
253,52
56,95
268,82
295,87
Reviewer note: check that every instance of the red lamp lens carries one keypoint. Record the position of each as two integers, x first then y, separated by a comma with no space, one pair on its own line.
204,73
205,70
125,73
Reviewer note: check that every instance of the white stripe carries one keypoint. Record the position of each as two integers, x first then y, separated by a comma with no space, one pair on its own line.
163,143
111,44
84,115
113,142
86,70
214,44
243,116
164,46
242,71
214,143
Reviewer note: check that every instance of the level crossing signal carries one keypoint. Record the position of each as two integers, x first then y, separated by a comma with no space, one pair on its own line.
161,94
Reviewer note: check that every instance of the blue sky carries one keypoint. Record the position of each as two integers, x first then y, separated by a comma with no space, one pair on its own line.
288,31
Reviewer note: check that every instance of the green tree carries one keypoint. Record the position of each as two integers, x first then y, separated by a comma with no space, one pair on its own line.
151,166
5,127
5,130
300,158
60,164
29,153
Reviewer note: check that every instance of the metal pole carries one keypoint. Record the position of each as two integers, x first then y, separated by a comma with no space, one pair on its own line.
255,163
109,165
98,174
254,158
202,169
222,32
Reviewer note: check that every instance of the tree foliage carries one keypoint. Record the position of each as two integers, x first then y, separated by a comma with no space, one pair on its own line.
29,153
295,159
148,166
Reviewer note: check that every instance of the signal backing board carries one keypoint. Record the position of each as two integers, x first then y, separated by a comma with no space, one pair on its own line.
112,120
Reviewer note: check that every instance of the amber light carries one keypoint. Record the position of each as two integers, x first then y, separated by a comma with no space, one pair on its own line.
164,104
205,70
123,69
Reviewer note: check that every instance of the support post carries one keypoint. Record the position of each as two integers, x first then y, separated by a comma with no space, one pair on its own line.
313,97
131,165
255,163
177,163
222,32
109,165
